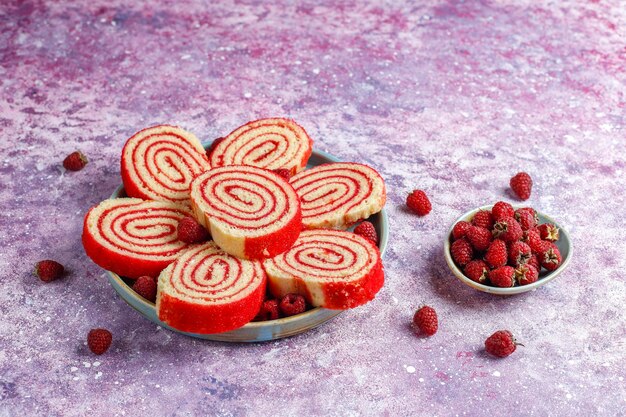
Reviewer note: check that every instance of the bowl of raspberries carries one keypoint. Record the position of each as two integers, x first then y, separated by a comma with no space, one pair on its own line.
505,250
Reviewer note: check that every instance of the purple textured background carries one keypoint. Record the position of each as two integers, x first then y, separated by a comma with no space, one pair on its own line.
448,96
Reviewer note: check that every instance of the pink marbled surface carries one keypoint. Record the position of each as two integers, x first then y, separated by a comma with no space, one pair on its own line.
452,97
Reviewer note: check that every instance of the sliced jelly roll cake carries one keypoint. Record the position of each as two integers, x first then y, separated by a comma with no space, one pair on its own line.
207,290
337,195
334,269
133,237
266,143
158,163
252,213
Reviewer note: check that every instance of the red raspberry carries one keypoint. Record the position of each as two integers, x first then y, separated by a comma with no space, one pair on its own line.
526,274
526,220
549,232
501,344
190,231
48,270
99,340
461,252
502,277
477,271
551,257
508,229
483,219
425,319
533,239
418,202
519,253
213,146
292,304
283,172
502,209
496,254
534,261
479,238
268,311
75,161
460,229
146,287
522,185
367,230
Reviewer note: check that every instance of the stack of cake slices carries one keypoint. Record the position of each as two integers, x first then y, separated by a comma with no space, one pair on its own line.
268,234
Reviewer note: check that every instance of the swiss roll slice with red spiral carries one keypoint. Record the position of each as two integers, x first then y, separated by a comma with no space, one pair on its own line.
333,269
252,213
267,143
337,195
133,237
158,163
207,290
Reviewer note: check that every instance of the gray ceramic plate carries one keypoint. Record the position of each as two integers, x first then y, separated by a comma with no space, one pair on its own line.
253,331
564,244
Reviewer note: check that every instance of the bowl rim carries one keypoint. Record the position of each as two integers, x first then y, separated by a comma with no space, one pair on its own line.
136,298
512,290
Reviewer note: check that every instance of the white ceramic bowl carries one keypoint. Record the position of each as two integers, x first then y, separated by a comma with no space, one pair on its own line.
564,244
253,331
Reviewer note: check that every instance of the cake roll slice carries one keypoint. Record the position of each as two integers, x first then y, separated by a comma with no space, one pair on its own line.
266,143
158,163
207,290
333,269
133,237
252,213
337,195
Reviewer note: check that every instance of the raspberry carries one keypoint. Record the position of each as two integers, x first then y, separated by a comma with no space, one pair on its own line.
526,274
533,239
146,287
190,231
292,304
460,229
522,185
508,229
551,257
502,277
534,261
283,172
502,209
477,271
479,238
425,319
549,232
418,202
99,340
367,230
519,253
213,146
526,220
75,161
48,270
501,344
483,219
268,311
496,254
461,252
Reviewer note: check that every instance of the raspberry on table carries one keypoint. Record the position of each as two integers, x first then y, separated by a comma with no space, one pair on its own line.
425,320
549,232
508,229
461,252
503,277
190,231
146,287
367,230
99,340
460,229
269,311
502,209
479,237
483,219
75,161
418,202
496,255
522,185
49,270
501,344
519,253
526,274
292,304
477,270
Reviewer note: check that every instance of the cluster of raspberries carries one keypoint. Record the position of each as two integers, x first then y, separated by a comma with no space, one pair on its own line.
504,247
